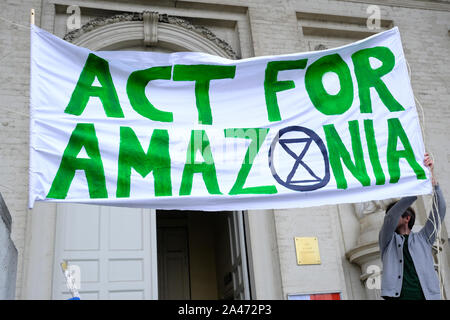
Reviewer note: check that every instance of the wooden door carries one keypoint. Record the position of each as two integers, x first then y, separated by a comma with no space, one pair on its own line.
114,248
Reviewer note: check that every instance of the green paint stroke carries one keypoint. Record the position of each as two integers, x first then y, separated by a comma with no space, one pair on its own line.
82,136
272,86
136,84
396,132
373,152
257,137
324,102
202,75
157,159
199,142
95,67
371,78
337,151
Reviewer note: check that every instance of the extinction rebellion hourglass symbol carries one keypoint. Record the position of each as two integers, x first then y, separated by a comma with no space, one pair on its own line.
310,170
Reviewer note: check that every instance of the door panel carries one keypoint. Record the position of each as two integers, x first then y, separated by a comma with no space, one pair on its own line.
115,249
125,229
83,234
173,263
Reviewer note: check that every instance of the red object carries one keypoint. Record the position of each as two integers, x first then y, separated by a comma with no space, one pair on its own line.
326,296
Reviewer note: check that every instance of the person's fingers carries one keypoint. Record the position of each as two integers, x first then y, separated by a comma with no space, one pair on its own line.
428,162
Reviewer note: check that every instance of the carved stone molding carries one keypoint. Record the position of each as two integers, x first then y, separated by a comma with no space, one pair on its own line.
367,257
368,207
99,22
320,46
439,5
155,25
363,254
150,27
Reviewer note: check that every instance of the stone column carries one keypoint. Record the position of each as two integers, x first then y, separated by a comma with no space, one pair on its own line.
8,255
366,253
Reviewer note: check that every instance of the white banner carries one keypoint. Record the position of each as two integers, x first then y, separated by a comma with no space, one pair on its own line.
195,131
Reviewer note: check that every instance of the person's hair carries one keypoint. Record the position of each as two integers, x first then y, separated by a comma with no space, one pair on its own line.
409,212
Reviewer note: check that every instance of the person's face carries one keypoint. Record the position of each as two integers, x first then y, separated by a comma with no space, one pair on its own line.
403,222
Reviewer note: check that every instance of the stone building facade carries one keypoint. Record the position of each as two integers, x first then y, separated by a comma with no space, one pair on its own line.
138,254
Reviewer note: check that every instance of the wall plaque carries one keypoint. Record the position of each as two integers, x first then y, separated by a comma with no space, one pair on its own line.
307,249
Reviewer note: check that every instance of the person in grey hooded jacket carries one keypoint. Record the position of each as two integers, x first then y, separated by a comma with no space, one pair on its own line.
408,266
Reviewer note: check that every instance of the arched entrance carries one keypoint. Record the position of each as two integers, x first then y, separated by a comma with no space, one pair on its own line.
149,254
